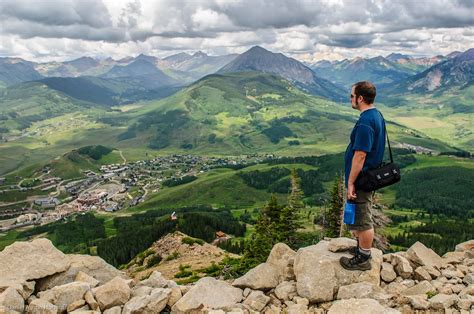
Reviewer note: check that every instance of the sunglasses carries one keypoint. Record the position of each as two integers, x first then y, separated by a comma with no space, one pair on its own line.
352,96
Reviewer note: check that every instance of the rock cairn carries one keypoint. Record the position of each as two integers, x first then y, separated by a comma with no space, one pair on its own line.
35,277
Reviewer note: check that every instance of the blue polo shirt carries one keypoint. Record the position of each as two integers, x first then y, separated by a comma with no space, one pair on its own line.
369,136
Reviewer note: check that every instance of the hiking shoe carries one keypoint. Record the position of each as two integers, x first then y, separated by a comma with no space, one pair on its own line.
353,250
358,262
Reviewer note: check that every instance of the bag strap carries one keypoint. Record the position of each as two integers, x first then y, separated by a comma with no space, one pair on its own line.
386,134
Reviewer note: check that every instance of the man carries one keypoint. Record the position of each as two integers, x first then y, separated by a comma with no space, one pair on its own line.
365,151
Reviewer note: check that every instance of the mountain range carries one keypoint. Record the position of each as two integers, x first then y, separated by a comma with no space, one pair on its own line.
255,101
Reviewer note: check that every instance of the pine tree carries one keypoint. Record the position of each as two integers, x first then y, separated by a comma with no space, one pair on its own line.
335,210
290,214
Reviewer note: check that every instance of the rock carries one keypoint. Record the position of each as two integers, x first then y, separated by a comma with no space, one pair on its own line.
115,292
359,306
457,288
139,291
40,306
469,290
82,276
469,279
11,300
286,290
360,290
31,260
62,296
452,273
84,311
319,273
442,301
24,288
387,258
91,301
423,256
341,244
272,309
421,288
174,296
387,273
465,302
93,266
299,300
136,305
403,267
257,300
453,258
282,257
211,293
434,273
422,274
297,309
158,299
419,302
408,283
114,310
264,276
156,280
465,246
75,305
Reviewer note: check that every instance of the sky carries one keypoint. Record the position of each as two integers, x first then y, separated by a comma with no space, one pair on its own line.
59,30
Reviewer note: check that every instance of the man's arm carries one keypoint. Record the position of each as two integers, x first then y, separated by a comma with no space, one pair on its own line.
357,164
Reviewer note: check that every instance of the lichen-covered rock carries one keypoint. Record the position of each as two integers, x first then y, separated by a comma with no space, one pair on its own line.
31,260
319,273
210,293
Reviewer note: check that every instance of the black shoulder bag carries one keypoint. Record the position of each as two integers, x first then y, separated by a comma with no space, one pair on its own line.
384,175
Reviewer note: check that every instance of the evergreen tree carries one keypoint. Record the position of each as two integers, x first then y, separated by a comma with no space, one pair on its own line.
335,210
290,214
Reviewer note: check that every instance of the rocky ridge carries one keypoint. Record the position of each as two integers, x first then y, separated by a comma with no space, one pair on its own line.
35,277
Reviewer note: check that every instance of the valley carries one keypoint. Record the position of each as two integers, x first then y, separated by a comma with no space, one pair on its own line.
97,158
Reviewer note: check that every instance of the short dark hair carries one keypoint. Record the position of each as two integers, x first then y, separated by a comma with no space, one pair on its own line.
366,90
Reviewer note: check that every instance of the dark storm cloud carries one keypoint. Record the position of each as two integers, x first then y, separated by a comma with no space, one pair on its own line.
348,41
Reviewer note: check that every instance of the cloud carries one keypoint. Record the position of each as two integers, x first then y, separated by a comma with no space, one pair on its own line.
304,27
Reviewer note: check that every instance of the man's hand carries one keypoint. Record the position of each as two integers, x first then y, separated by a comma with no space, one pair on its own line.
351,192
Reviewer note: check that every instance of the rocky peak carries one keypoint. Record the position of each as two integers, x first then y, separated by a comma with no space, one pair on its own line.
309,280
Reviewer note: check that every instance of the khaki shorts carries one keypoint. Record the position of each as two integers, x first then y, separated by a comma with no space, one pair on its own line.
363,217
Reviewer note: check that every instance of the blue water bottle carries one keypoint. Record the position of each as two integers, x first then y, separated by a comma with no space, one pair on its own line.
349,213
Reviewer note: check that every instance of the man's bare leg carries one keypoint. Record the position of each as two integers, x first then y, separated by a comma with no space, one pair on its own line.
366,238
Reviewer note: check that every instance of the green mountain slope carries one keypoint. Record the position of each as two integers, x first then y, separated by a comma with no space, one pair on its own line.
248,112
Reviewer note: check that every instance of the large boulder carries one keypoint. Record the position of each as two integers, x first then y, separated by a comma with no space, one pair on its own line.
31,260
282,257
341,244
113,293
93,266
465,246
360,290
210,293
360,306
419,254
64,295
263,277
319,273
